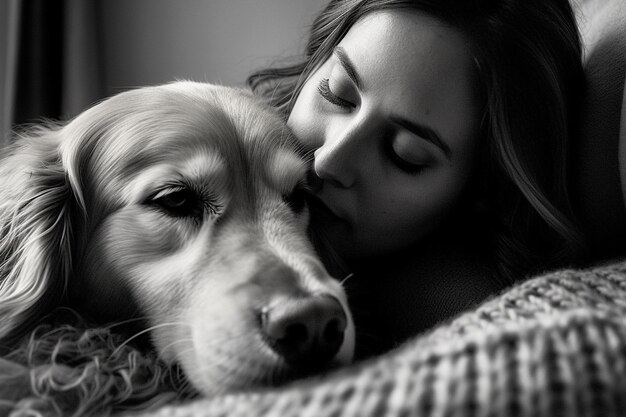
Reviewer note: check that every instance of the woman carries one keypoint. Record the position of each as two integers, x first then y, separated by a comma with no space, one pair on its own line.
439,130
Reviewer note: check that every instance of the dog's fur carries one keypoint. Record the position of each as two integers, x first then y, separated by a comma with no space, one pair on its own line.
89,219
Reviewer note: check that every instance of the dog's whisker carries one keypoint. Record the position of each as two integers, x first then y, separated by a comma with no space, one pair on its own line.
147,330
350,275
176,342
215,341
111,326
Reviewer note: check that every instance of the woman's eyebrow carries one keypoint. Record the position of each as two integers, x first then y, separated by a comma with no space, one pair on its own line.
424,132
420,130
347,65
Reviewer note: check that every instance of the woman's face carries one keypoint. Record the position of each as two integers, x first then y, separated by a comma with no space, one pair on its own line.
393,116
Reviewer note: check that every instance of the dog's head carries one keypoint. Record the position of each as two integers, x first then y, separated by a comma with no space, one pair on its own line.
181,204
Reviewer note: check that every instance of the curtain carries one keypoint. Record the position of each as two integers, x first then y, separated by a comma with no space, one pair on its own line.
51,60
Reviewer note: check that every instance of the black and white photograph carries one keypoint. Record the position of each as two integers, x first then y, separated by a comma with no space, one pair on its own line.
312,208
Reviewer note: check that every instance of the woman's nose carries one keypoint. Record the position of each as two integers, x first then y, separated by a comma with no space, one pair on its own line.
342,156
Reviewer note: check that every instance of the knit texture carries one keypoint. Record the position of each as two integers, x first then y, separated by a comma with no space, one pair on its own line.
552,346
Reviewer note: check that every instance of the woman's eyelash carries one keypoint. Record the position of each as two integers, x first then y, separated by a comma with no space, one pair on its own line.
324,89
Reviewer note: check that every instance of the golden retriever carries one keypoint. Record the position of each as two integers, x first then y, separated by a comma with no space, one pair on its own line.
182,205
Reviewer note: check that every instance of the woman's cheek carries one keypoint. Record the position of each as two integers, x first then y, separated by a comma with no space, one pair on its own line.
431,201
307,119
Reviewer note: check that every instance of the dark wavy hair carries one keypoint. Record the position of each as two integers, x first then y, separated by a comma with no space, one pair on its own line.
529,58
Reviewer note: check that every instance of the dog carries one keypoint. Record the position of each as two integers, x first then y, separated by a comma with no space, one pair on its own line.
182,206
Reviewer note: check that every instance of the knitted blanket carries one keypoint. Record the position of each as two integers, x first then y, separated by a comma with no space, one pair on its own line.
552,346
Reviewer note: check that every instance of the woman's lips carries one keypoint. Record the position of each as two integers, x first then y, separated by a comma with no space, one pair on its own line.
316,202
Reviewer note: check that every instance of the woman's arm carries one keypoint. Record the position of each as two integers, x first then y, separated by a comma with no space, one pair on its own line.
554,345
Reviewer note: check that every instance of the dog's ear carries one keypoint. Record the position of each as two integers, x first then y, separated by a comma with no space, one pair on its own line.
37,208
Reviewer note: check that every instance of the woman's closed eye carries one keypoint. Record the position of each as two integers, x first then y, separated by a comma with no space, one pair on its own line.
407,154
324,90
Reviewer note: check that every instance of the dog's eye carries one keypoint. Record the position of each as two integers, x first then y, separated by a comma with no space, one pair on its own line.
297,198
180,203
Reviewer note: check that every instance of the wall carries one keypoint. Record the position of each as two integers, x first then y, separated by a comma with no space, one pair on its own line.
155,41
9,14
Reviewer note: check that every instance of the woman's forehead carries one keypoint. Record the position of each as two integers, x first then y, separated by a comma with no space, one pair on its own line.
415,66
408,48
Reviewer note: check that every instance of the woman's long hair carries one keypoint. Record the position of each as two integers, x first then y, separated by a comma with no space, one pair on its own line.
529,58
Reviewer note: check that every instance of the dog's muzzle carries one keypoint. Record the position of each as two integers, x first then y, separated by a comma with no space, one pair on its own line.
306,332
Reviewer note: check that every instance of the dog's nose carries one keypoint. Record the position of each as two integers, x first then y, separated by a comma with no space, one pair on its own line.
306,332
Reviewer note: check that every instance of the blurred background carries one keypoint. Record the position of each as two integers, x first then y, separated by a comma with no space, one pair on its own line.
59,56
